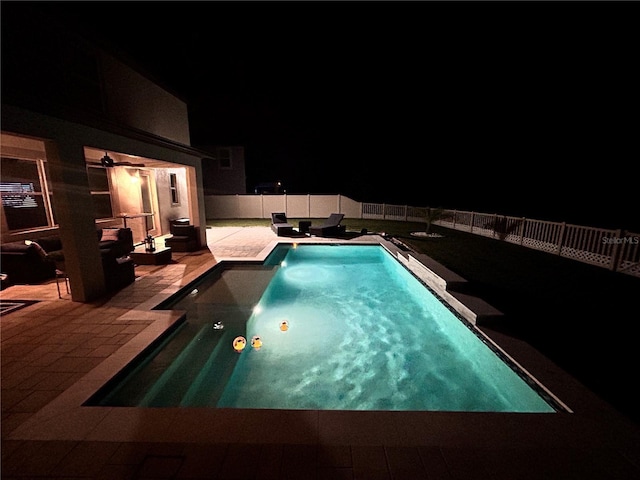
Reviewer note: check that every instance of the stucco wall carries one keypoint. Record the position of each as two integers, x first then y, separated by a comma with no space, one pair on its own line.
139,103
166,209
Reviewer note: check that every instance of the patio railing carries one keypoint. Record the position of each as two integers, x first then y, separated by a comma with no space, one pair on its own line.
617,250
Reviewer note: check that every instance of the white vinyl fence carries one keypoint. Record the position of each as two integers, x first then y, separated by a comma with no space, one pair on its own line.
616,250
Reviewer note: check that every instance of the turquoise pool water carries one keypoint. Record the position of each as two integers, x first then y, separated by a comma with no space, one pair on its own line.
362,334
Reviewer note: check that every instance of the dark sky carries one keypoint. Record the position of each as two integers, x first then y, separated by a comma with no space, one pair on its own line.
520,108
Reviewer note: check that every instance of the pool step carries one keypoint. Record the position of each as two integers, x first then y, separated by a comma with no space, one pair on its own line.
177,379
212,378
240,287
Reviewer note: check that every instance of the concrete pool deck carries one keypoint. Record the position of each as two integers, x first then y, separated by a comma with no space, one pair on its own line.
56,353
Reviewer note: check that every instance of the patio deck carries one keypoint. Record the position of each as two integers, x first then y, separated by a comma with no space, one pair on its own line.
56,352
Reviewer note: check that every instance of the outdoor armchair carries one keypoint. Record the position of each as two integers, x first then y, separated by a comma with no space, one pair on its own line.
184,236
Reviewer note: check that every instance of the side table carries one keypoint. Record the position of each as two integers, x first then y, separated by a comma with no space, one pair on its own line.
303,226
160,256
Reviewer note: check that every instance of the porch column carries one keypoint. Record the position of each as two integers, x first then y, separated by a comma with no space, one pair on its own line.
75,217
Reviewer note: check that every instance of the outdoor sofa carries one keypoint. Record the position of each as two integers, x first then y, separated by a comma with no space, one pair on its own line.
34,261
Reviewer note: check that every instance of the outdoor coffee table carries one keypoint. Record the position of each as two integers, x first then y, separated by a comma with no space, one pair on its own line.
160,256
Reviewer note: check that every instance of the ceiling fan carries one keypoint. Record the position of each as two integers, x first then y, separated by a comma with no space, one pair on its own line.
109,162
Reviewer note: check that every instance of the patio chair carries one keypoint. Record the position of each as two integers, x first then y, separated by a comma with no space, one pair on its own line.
330,228
184,236
280,225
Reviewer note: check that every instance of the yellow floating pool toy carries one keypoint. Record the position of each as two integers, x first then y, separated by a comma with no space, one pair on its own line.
256,342
284,325
239,343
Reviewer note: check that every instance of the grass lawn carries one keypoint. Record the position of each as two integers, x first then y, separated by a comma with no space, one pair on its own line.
580,316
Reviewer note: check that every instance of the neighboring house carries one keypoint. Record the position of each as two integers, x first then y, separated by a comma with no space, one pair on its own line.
67,105
269,187
224,172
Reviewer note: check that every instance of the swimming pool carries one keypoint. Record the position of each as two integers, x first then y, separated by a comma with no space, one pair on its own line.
328,327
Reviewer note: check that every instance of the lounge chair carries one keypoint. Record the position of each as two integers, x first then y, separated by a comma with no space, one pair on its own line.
280,225
330,228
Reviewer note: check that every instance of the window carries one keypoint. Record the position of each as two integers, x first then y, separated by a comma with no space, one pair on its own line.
173,186
100,193
224,158
26,202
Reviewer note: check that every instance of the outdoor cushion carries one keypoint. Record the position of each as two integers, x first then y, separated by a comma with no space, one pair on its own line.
279,218
36,246
110,234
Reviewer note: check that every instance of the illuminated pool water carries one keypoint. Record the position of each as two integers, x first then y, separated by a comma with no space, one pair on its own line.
363,334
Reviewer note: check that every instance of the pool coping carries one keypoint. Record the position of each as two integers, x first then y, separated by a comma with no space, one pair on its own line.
66,417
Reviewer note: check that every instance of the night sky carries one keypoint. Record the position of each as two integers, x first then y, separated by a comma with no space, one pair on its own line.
517,108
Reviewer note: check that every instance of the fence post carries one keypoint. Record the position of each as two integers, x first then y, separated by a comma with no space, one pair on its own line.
471,226
524,220
495,220
384,211
261,204
406,213
455,217
617,249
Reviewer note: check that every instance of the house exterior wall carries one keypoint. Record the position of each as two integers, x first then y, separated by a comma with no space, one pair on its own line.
167,210
134,101
53,70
